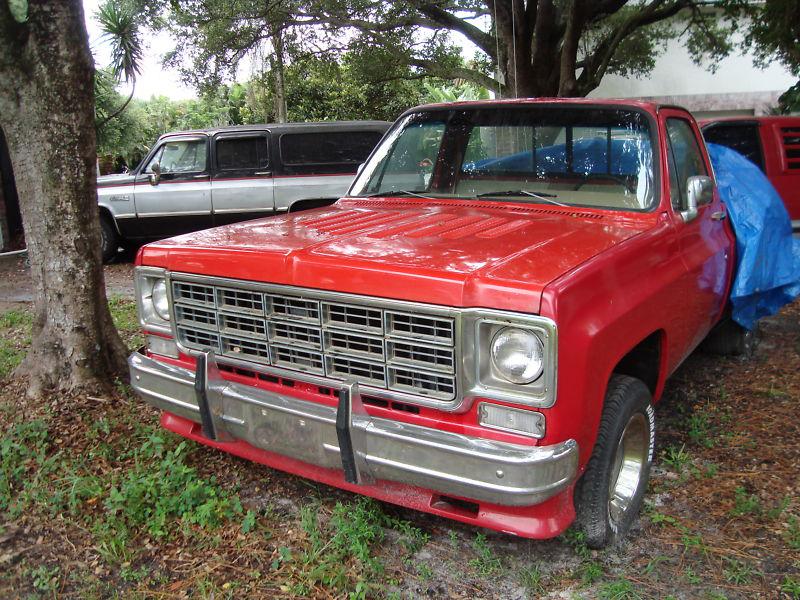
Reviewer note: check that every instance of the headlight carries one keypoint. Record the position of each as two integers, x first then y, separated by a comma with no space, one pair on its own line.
160,300
517,355
152,299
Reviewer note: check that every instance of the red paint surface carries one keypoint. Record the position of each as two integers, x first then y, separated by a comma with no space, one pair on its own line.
608,279
777,166
447,252
542,521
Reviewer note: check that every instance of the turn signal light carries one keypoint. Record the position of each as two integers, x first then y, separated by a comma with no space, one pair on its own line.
515,420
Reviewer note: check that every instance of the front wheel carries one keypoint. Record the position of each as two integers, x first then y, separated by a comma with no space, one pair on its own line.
611,490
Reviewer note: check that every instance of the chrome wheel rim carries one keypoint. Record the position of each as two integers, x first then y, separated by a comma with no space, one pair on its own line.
627,466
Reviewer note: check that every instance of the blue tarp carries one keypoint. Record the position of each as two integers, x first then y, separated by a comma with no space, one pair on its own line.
588,156
767,256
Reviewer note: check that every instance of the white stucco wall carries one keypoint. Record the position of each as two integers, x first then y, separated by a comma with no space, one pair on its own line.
675,75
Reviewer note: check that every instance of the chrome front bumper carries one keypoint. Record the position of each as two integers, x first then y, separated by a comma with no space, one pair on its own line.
374,448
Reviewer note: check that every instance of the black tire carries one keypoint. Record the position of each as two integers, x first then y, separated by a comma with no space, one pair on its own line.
730,339
109,240
627,412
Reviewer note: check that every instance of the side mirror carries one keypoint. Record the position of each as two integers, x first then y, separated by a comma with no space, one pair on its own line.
155,176
699,192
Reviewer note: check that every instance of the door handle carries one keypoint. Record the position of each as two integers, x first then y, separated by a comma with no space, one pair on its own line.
203,176
263,173
718,215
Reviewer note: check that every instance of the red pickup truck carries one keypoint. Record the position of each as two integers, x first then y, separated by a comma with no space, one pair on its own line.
479,329
772,143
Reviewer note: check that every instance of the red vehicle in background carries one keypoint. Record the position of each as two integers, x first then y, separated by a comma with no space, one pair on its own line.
480,329
772,143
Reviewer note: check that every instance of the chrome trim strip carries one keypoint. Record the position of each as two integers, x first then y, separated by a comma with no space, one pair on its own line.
450,463
187,213
223,211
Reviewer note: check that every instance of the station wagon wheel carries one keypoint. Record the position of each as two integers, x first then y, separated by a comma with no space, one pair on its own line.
109,240
609,495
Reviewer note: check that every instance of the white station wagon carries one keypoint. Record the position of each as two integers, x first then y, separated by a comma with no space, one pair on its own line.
194,180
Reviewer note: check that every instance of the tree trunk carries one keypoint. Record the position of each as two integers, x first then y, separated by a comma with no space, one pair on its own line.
277,66
46,111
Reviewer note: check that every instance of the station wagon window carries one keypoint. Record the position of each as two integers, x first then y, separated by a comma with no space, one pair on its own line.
242,153
326,152
180,156
740,137
687,158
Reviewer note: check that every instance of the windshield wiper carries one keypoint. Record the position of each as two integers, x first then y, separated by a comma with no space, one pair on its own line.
395,193
543,196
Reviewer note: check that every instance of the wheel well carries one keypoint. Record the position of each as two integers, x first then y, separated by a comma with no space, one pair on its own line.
310,203
644,361
106,214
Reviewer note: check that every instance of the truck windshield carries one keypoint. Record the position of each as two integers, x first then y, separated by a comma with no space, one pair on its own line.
593,157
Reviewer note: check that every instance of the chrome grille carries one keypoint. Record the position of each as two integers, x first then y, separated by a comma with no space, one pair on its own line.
414,326
407,351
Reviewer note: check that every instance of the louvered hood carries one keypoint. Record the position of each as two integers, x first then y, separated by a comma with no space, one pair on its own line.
482,254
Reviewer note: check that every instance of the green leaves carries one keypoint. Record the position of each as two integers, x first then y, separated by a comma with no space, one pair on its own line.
19,10
119,22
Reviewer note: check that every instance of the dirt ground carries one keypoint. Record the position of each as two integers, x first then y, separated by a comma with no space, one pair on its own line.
722,516
15,281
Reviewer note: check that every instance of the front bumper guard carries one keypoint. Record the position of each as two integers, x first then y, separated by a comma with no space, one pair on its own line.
345,437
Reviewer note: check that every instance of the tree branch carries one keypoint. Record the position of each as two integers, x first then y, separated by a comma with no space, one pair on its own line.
436,69
480,38
596,64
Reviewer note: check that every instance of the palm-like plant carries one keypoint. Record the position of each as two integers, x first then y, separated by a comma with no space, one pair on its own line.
119,22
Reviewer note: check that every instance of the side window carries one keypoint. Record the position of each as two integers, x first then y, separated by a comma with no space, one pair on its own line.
242,153
181,156
156,159
742,138
326,152
686,157
409,162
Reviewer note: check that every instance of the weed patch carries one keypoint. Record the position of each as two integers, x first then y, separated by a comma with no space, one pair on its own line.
486,562
15,338
339,552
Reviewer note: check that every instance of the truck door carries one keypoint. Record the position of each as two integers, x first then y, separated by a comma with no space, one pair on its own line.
704,241
178,200
242,185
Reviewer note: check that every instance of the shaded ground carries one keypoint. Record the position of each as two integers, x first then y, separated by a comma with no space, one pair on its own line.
96,501
15,280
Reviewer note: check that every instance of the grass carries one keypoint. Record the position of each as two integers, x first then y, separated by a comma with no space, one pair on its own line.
155,494
158,516
486,563
792,534
620,589
339,551
532,580
745,504
738,572
15,331
677,458
123,312
15,337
